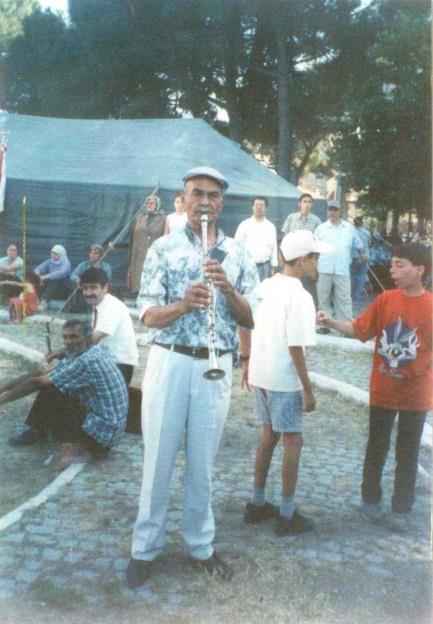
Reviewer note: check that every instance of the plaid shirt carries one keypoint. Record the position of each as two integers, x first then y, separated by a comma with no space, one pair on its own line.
98,384
296,221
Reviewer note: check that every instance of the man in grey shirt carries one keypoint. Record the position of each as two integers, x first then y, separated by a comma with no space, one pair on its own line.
304,220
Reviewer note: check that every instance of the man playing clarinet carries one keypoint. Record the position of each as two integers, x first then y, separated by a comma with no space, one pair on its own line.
179,282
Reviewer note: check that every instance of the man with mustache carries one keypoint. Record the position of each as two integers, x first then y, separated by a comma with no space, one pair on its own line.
179,403
82,400
112,325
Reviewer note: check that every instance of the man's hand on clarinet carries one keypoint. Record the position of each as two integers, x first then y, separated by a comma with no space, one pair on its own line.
215,272
196,297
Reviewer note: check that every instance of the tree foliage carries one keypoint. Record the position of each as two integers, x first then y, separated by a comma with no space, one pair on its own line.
291,75
12,13
383,147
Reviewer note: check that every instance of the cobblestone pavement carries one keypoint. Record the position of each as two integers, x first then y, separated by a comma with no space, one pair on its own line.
65,561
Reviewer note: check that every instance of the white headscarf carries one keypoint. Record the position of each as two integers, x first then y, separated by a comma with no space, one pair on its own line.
61,251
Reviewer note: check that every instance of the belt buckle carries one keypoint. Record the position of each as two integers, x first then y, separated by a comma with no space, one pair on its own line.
194,353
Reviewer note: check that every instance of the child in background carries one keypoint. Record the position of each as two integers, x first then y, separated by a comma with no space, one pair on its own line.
27,302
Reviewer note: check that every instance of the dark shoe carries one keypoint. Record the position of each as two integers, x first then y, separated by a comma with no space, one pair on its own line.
323,330
297,524
137,572
214,566
259,513
26,438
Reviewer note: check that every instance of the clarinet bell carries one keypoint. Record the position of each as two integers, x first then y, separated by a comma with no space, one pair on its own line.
214,372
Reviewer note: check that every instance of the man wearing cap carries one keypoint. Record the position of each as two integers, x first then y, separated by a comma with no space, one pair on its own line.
259,236
273,362
178,402
333,286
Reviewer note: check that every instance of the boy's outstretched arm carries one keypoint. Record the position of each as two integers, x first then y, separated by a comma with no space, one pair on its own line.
345,327
298,358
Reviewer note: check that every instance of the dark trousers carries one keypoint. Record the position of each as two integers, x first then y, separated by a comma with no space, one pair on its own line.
61,416
410,427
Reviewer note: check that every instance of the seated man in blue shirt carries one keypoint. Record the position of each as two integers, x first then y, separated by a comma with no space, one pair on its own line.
83,399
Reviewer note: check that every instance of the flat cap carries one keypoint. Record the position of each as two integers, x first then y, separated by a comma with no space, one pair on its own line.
209,172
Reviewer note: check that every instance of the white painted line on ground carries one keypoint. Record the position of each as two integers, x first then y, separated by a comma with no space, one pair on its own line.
64,477
346,390
345,344
427,435
13,348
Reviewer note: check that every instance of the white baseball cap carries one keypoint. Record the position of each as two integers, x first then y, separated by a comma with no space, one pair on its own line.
301,243
207,172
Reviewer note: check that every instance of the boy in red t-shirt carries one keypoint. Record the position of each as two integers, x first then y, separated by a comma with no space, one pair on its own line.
401,379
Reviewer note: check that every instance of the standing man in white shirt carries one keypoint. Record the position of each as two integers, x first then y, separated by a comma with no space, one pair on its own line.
112,325
259,236
333,286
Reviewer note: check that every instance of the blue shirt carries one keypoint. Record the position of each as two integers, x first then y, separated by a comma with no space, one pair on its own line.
173,264
344,239
365,238
54,270
18,273
83,266
98,384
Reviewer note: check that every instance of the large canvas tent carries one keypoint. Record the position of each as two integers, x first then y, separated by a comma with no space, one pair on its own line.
85,179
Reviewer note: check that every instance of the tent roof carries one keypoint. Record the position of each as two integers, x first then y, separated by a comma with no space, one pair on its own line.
143,153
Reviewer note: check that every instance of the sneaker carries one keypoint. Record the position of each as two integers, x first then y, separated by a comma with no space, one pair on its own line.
137,572
372,512
298,523
214,566
26,438
259,513
398,522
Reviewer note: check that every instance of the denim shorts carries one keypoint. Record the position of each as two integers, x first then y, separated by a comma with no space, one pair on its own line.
282,410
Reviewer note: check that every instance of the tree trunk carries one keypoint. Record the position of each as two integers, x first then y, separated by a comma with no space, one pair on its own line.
285,130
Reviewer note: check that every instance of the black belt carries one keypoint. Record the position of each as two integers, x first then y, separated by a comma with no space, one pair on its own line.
259,264
198,353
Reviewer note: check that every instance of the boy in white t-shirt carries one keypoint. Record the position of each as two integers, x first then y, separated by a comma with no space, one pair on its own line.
273,362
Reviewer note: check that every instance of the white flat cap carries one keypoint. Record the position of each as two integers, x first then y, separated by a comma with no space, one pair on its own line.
209,172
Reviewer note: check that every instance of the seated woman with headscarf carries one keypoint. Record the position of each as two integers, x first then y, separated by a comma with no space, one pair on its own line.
54,274
148,226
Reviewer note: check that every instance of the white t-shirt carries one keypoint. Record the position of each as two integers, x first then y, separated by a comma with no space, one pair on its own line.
114,320
285,317
177,221
260,238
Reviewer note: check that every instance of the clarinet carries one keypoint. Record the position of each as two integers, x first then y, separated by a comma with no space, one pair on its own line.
214,372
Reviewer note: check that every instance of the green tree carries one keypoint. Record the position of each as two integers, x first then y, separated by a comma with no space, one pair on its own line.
383,147
12,13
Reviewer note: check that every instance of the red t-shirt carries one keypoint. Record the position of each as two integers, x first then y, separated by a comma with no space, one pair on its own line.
402,375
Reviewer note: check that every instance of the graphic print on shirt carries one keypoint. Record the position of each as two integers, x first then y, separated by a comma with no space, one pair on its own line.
398,344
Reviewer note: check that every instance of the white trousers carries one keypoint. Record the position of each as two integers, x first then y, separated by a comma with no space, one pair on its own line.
336,288
178,404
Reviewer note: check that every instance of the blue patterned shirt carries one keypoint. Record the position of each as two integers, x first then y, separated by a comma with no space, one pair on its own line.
98,384
173,264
